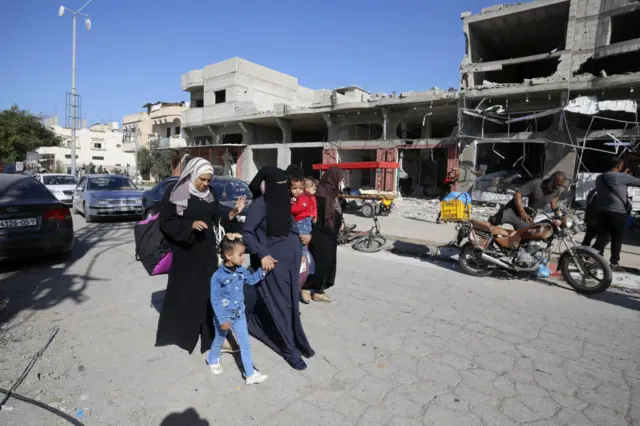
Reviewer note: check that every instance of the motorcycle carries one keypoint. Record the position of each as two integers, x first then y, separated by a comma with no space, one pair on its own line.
489,248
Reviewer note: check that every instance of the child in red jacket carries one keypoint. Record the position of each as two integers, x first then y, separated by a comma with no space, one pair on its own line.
303,206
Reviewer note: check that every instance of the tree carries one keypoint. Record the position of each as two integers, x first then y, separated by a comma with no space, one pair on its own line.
22,132
144,161
162,160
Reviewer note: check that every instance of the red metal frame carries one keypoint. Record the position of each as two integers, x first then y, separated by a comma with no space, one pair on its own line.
359,165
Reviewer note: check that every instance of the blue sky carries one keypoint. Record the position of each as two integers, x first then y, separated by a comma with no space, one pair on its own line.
138,49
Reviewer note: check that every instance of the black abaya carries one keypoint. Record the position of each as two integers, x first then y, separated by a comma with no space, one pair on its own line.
324,248
272,307
186,312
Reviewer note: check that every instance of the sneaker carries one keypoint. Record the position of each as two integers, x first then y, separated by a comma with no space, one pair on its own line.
215,368
321,297
256,378
306,296
617,268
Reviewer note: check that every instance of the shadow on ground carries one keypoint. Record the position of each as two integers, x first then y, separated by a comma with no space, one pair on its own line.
442,257
188,417
42,283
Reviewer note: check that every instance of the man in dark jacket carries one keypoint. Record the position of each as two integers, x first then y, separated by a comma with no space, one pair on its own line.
611,206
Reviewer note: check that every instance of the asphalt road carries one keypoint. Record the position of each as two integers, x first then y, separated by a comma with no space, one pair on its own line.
405,342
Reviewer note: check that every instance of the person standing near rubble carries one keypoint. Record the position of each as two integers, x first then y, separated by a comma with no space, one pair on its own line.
613,208
540,193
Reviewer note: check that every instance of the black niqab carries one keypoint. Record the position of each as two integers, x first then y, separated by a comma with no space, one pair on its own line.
277,199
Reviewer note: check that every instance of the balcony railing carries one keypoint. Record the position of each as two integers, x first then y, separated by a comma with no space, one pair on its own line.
166,143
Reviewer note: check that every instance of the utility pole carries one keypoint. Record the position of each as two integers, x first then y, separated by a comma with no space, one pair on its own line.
74,118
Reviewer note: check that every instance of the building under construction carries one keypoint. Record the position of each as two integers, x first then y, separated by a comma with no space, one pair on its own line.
549,85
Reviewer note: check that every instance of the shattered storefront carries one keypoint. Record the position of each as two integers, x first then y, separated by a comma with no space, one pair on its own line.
502,148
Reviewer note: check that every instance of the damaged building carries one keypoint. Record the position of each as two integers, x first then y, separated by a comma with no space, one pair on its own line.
548,85
244,116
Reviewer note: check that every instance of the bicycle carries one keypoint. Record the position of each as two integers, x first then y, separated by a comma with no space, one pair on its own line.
370,241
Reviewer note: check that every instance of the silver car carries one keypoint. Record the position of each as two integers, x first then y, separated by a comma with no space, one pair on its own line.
60,185
99,196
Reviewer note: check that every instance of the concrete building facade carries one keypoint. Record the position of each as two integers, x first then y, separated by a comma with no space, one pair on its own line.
99,144
548,85
252,116
157,127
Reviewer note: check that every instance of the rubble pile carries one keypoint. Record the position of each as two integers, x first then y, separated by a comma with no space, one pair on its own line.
427,209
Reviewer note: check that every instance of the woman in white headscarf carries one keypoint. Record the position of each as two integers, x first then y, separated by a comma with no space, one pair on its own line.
188,215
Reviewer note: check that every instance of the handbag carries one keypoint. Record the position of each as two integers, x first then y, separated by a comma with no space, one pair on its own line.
627,205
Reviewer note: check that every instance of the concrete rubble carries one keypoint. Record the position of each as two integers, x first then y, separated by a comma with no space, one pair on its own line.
427,209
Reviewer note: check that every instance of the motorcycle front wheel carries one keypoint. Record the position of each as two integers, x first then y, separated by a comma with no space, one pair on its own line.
471,263
596,273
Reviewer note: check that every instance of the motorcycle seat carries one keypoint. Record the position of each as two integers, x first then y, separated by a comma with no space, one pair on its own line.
496,231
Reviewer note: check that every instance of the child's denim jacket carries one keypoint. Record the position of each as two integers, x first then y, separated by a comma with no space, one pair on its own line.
227,294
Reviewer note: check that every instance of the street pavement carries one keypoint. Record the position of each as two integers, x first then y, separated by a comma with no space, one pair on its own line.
406,342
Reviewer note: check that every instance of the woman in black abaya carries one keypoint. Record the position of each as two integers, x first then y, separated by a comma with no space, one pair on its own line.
324,241
188,215
272,307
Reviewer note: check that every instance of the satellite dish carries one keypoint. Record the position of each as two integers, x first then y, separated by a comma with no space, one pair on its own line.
61,11
87,23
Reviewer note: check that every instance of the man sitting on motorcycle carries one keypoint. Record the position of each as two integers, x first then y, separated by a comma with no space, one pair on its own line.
540,193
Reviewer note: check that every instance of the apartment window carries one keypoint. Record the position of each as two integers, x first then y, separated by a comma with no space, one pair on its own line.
199,103
118,165
168,132
68,156
221,96
97,158
118,146
625,26
177,131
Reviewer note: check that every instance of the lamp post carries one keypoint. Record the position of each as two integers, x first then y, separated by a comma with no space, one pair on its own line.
74,119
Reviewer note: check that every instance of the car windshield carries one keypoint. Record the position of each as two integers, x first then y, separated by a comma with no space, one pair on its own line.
230,190
111,183
59,180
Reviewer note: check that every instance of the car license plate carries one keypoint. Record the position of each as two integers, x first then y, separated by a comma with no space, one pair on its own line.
123,209
18,223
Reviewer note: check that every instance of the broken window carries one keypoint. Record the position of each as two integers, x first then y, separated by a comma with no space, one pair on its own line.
309,135
306,158
625,26
220,96
610,65
362,132
523,159
235,138
529,32
516,73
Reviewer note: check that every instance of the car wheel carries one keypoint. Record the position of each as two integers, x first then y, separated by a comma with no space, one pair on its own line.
87,216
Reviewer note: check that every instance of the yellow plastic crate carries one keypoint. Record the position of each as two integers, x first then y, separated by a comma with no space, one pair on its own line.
454,211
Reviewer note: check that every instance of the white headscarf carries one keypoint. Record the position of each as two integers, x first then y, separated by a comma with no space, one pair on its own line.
186,185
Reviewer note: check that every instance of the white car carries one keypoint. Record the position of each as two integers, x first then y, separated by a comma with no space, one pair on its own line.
60,185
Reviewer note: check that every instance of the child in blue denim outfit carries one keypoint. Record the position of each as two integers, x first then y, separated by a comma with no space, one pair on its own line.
227,299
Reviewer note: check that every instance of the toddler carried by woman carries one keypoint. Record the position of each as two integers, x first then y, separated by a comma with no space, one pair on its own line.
227,299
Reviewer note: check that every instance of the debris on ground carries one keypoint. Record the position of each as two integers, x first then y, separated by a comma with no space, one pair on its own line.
427,209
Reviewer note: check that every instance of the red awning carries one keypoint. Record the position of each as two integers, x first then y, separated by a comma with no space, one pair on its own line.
359,165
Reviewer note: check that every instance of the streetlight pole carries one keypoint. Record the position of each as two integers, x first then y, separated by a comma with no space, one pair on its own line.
74,118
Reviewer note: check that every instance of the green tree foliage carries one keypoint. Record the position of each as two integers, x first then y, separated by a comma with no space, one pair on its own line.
144,161
161,164
22,132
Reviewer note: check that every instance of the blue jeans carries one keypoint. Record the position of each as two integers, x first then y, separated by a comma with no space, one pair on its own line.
241,331
305,227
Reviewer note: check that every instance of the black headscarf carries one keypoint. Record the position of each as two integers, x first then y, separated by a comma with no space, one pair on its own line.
256,182
295,172
329,189
277,199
